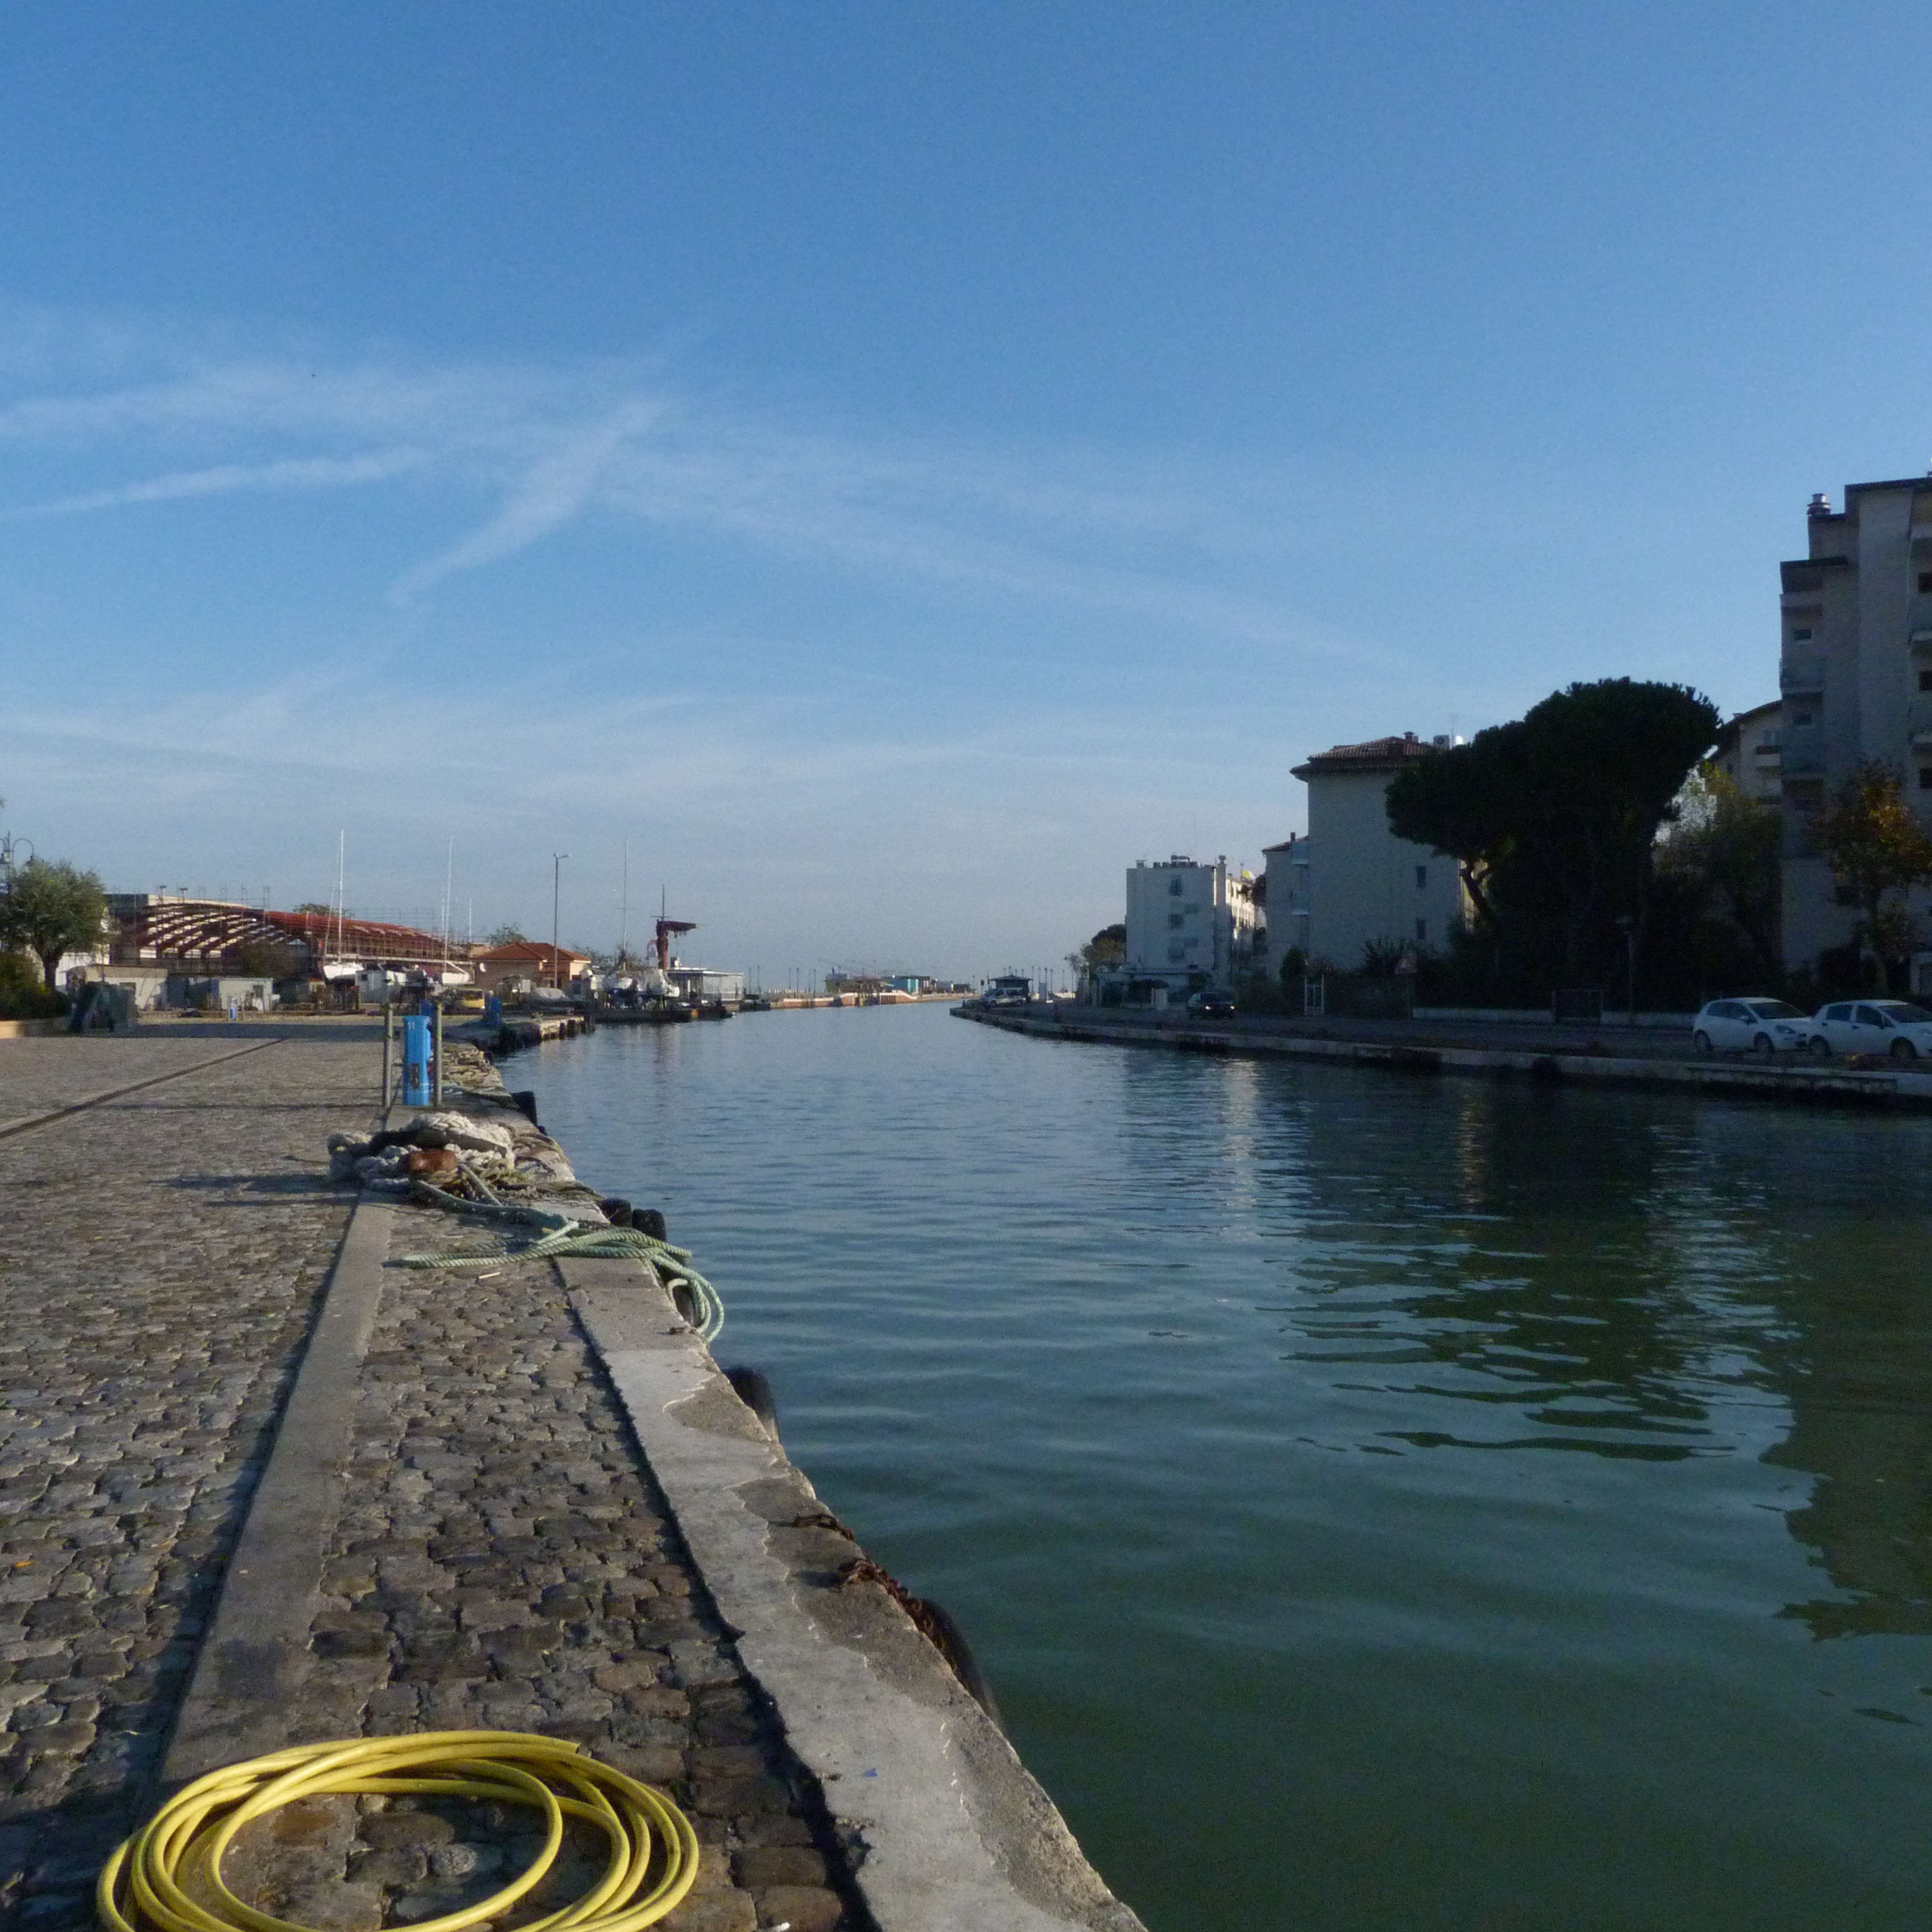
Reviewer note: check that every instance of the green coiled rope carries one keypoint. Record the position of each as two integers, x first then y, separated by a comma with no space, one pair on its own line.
565,1239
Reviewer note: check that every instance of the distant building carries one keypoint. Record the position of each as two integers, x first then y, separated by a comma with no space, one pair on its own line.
527,962
1749,752
1855,672
1286,869
1369,886
1189,924
169,950
706,985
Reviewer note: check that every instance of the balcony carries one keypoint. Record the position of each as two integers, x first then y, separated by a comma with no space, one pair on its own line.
1801,677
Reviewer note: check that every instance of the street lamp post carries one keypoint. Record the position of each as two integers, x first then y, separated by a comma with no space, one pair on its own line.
556,893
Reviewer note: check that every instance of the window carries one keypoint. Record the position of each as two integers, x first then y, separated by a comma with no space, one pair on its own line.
1175,885
1925,680
1174,922
1804,717
1925,582
1422,932
1421,877
1925,777
1802,636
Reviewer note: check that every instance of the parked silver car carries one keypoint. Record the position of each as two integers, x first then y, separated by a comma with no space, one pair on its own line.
1760,1026
1894,1026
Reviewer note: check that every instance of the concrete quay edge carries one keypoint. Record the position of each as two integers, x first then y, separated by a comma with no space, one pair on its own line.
945,1829
1839,1087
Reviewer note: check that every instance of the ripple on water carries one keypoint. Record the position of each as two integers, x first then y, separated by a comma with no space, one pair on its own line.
1379,1503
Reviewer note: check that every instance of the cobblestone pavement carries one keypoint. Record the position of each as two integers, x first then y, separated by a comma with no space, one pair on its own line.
502,1557
40,1074
160,1256
503,1560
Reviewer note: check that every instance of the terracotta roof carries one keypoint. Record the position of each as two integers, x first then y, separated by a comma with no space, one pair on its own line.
1376,754
526,949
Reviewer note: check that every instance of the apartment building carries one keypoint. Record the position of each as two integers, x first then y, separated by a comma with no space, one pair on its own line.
1856,679
1367,886
1750,752
1286,869
1187,922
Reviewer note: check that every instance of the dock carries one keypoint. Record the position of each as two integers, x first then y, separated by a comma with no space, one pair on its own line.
260,1487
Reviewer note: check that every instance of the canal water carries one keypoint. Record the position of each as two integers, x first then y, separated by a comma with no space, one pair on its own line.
1381,1503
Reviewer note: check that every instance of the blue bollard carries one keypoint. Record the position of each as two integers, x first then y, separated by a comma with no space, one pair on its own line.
493,1009
417,1074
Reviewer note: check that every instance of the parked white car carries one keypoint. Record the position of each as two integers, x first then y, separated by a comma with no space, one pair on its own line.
1894,1027
1759,1026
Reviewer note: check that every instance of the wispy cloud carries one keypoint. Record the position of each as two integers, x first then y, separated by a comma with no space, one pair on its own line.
312,472
1133,535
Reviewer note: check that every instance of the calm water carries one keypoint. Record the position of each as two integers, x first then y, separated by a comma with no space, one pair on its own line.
1380,1504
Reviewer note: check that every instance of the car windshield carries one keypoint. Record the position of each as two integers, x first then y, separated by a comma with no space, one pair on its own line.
1903,1011
1774,1009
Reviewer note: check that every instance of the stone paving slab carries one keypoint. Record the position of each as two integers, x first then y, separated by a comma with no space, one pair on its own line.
42,1075
503,1559
160,1258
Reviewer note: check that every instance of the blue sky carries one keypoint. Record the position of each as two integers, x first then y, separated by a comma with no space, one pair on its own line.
895,465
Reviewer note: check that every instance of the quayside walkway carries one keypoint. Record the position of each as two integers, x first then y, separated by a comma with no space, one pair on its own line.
1606,1055
259,1488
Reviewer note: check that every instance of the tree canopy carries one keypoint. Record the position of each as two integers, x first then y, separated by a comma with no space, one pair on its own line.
507,934
1553,817
52,908
1875,846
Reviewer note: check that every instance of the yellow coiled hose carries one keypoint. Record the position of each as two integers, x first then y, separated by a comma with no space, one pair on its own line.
168,1875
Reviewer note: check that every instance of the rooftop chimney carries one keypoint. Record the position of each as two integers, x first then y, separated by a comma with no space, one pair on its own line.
1819,507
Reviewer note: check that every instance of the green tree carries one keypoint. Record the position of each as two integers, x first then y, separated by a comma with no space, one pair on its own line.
1466,802
507,935
316,909
1876,847
1553,818
1107,947
1725,850
50,909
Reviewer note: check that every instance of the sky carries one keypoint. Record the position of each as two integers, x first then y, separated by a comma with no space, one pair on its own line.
876,471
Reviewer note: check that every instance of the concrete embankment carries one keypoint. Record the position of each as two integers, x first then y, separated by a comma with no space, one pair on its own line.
261,1487
1565,1058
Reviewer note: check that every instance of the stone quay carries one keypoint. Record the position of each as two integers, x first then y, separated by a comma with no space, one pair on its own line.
258,1487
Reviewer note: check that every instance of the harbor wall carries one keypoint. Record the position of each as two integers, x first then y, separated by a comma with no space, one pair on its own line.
926,1816
1416,1052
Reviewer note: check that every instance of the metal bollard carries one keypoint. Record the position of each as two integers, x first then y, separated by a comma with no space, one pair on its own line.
435,1051
416,1050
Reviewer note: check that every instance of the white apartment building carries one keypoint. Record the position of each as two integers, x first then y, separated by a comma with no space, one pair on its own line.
1750,752
1286,870
1185,921
1369,886
1855,674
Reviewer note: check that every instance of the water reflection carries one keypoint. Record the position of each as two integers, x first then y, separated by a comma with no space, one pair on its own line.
1380,1487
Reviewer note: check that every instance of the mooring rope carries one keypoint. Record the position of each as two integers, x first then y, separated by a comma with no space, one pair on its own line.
566,1239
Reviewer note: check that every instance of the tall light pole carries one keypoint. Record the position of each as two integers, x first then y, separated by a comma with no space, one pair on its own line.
556,860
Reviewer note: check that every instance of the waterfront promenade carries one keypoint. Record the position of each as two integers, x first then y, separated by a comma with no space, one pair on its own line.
440,1516
1607,1054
